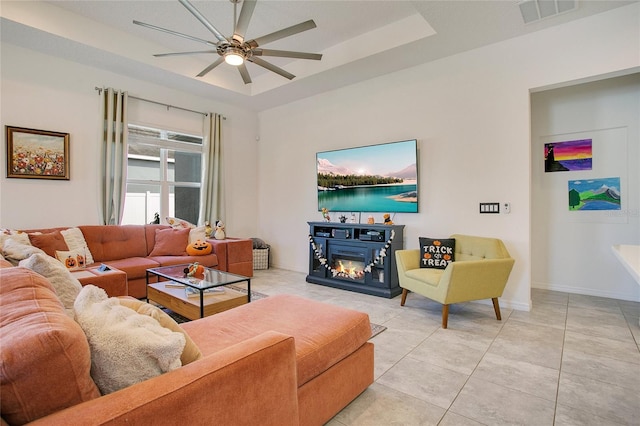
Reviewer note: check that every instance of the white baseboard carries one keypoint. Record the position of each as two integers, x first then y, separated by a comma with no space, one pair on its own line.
584,291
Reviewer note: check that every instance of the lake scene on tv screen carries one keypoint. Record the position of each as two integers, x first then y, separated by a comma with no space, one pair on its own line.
375,178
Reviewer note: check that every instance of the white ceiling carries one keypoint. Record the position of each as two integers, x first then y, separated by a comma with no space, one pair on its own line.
358,39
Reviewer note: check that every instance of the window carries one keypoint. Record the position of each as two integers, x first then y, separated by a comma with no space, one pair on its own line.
163,175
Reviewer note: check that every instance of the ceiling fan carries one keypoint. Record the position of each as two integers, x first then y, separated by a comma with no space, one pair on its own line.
235,50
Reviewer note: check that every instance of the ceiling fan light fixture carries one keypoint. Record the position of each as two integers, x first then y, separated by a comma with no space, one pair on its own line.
234,50
234,56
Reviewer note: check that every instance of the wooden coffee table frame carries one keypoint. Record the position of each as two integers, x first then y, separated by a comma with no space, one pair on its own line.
163,293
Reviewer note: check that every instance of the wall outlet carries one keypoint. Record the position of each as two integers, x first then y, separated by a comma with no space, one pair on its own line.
506,208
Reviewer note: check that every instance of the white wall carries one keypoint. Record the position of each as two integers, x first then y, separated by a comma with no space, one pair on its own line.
575,255
470,113
47,93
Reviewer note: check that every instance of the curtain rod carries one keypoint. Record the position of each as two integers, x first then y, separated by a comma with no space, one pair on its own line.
100,89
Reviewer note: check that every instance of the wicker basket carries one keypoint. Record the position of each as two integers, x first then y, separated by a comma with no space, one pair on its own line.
261,258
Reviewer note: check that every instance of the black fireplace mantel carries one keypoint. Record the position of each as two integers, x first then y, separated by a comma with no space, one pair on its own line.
355,256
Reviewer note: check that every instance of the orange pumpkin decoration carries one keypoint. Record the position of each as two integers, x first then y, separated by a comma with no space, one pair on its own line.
70,262
199,248
196,270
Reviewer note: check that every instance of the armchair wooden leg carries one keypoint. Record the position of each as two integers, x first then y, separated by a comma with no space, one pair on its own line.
445,315
496,307
404,296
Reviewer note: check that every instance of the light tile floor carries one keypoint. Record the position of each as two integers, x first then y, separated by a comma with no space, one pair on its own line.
571,360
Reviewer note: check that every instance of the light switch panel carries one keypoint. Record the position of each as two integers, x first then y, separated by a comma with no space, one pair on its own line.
489,207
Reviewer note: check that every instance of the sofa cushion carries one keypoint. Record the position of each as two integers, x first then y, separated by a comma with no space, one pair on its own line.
324,334
65,285
436,253
126,347
191,352
170,242
134,267
429,276
113,242
49,242
45,358
469,247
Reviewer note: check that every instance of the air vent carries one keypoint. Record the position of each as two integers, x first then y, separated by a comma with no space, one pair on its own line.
534,10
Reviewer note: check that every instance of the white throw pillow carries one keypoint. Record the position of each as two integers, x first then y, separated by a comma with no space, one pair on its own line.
76,242
66,286
198,233
15,251
21,237
126,347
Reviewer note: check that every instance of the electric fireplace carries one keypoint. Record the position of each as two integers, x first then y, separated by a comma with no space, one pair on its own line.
356,257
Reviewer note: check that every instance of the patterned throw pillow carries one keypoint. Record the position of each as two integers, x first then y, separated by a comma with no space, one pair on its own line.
437,253
72,259
178,223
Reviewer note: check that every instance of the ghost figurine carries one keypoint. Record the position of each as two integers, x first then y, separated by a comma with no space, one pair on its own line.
219,234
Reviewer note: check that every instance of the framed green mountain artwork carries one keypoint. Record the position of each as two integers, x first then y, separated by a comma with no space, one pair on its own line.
594,194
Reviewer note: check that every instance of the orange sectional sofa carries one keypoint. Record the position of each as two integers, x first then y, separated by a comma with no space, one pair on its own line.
282,360
130,248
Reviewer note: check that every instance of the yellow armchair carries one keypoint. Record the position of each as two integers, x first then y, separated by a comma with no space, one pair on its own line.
480,271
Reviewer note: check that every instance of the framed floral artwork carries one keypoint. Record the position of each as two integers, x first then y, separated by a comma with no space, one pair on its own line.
37,154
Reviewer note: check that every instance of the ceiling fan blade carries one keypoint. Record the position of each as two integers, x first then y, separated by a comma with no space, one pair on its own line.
271,67
210,67
164,30
286,32
244,73
287,54
161,55
203,20
243,20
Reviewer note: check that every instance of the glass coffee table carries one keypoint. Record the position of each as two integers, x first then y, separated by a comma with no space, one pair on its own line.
199,296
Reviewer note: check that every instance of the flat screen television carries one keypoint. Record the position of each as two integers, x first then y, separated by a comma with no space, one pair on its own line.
373,178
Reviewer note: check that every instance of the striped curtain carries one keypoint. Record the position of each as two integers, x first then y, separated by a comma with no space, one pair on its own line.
113,155
212,204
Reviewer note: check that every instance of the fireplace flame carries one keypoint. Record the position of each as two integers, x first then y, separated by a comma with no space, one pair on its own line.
350,271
